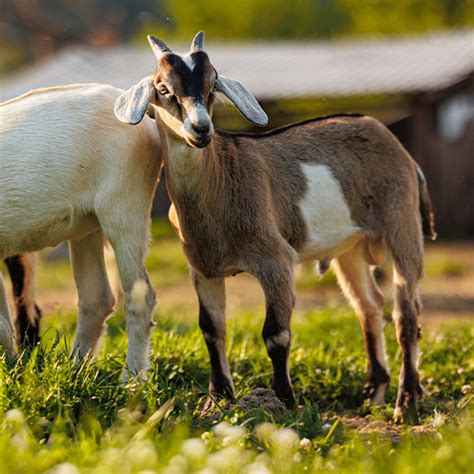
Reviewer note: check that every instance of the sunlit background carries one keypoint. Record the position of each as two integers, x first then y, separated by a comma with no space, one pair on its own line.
409,63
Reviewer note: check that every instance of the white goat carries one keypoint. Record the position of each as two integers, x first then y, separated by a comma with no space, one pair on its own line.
341,189
70,171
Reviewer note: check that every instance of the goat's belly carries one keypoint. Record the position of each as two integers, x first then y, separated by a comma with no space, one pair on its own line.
330,230
16,239
328,247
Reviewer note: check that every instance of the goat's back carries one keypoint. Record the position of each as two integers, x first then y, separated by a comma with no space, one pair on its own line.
61,148
356,154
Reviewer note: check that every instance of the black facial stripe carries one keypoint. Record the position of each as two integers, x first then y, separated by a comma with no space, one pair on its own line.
192,82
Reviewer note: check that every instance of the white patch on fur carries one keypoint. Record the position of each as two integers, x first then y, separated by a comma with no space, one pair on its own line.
280,340
188,60
139,292
325,213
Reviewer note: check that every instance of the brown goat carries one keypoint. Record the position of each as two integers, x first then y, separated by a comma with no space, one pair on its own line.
338,189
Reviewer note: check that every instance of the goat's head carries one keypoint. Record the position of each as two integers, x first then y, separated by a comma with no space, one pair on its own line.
183,91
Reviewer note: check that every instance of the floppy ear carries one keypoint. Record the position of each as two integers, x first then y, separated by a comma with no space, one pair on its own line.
131,105
243,99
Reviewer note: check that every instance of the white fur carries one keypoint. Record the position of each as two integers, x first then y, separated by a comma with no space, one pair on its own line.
188,60
69,170
325,213
280,340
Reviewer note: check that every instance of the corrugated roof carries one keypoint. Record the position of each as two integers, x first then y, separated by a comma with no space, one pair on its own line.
280,70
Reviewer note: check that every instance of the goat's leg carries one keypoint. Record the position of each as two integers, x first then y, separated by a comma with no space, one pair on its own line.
357,282
211,295
7,340
139,295
405,316
407,252
277,281
96,300
22,269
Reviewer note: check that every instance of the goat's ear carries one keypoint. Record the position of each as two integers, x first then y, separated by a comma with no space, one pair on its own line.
243,99
131,105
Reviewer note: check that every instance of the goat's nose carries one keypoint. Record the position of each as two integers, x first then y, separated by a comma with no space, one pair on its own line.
201,128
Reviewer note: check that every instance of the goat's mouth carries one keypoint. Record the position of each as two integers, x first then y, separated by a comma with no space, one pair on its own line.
196,142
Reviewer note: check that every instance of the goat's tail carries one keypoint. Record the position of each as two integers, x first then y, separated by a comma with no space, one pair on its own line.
426,208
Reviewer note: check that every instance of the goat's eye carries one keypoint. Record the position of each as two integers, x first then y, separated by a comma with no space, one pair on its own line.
162,89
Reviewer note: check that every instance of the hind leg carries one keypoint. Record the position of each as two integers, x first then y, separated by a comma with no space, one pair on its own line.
405,316
22,273
6,328
357,282
96,300
407,253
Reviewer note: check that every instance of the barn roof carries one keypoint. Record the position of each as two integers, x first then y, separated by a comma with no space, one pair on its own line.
280,70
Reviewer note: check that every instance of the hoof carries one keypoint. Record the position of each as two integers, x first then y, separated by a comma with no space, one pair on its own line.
376,383
286,395
407,416
406,410
375,393
129,377
222,389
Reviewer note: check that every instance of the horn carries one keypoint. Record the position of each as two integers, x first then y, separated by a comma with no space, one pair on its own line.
198,42
158,46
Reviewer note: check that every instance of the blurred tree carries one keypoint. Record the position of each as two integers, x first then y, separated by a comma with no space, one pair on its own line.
262,19
30,29
407,16
298,19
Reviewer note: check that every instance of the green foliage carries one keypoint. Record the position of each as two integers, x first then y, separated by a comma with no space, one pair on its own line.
303,19
79,418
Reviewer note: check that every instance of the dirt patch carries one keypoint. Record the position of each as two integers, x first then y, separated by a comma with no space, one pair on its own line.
258,399
389,430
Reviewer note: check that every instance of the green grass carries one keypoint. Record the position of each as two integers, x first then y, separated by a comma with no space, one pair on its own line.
445,267
53,412
62,418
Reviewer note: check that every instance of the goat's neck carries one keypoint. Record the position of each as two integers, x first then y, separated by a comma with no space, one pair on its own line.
189,171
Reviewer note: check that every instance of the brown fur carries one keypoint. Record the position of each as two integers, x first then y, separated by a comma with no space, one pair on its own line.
262,182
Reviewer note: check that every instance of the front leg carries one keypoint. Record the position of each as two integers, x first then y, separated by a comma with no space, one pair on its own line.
211,295
278,285
139,297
